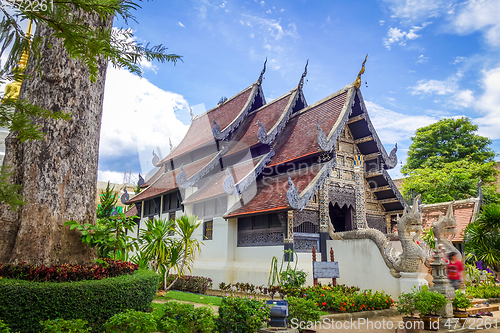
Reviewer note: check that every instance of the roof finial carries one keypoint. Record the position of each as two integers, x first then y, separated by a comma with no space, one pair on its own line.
170,141
191,113
259,81
357,83
13,89
301,82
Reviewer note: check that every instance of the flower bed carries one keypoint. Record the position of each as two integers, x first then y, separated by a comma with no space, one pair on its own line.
67,272
487,290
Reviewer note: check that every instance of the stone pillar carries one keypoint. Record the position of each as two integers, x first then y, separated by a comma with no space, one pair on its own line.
409,280
324,219
441,284
359,177
288,241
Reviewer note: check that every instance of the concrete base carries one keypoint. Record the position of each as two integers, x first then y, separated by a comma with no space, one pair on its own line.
410,280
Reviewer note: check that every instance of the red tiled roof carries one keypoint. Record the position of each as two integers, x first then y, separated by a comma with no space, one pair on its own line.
270,194
157,175
214,184
463,211
131,212
268,115
200,131
168,180
300,136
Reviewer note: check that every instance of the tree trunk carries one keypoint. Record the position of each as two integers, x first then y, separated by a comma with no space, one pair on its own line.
59,173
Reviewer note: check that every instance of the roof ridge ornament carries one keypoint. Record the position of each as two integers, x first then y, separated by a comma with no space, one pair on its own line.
261,77
170,142
191,112
357,82
301,82
393,157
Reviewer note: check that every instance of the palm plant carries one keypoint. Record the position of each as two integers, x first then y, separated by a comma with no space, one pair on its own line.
168,245
482,238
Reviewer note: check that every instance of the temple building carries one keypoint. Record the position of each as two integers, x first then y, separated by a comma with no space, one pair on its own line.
266,177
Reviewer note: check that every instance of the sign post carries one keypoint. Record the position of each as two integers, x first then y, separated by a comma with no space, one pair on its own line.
325,269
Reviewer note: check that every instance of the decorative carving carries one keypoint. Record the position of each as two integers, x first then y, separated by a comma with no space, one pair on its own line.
260,237
445,230
156,159
305,243
305,216
342,195
329,144
360,192
394,188
262,132
125,196
393,158
249,179
376,222
409,229
216,130
299,202
182,176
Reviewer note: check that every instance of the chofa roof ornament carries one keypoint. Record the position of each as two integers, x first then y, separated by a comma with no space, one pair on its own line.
301,82
357,82
261,77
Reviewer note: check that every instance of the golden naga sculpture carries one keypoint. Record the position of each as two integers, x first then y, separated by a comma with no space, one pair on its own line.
12,89
357,83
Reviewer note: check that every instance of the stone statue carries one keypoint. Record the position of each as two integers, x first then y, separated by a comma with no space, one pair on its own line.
445,230
409,229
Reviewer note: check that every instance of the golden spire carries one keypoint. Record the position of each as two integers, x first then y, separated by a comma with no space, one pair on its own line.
357,83
12,89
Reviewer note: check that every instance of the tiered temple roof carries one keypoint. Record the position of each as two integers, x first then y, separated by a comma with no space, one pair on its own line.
274,156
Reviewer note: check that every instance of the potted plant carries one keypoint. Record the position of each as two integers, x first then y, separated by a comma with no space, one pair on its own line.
428,303
460,305
406,306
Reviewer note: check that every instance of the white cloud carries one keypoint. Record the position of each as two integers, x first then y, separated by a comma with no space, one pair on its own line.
414,10
273,27
138,117
393,127
396,35
459,59
422,59
262,3
268,11
381,22
463,98
489,105
180,24
446,87
480,15
111,176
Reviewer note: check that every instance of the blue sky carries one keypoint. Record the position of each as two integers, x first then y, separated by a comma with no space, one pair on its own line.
427,60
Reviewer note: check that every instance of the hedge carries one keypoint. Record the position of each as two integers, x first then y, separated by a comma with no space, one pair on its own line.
23,304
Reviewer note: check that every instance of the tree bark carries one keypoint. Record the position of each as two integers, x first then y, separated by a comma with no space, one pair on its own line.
59,173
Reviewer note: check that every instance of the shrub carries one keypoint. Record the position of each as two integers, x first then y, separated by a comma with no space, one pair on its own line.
484,291
4,328
241,315
23,304
65,326
67,272
429,302
292,278
461,301
406,303
302,310
192,284
131,322
180,317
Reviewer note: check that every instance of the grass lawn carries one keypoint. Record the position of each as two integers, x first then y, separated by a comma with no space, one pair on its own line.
190,297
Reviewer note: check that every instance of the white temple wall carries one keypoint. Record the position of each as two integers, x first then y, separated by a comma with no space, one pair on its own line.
362,265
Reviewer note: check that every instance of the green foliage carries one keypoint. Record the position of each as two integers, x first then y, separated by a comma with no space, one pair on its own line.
23,304
487,290
65,326
241,315
189,283
131,322
302,310
428,237
289,277
191,297
9,193
109,235
3,327
177,317
482,237
108,200
456,180
448,140
406,304
170,245
428,302
461,301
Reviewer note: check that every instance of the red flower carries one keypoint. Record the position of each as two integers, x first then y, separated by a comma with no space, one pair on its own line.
324,303
387,301
317,304
344,303
322,295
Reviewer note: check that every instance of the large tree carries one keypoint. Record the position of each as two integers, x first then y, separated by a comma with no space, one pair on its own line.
70,51
448,140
